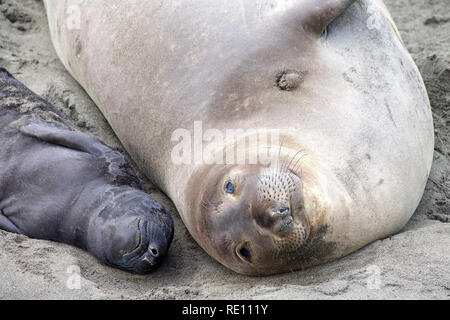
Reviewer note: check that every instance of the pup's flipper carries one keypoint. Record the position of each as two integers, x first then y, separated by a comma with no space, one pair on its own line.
116,165
54,134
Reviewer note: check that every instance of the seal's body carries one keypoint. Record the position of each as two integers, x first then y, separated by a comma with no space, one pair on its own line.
60,184
332,77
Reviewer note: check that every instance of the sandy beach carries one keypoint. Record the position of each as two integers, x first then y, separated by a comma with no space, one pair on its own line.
413,264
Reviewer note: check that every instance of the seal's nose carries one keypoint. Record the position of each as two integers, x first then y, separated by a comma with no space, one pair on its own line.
282,219
281,211
153,256
154,252
157,244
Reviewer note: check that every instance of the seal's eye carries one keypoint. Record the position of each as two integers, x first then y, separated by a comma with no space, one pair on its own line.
244,252
230,187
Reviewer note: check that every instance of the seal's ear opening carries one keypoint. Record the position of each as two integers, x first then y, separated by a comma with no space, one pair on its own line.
316,15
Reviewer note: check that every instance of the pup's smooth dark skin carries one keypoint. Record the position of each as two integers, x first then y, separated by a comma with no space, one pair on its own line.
59,184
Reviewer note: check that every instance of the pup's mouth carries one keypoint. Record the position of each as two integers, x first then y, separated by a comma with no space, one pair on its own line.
141,252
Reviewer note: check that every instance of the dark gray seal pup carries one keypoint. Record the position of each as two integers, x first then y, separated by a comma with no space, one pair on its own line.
59,184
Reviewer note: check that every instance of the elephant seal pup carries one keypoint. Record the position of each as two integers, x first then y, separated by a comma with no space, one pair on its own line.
59,184
331,77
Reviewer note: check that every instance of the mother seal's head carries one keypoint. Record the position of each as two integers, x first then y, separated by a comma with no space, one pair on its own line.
252,218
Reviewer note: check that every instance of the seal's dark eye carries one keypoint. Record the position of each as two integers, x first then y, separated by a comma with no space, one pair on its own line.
229,187
244,252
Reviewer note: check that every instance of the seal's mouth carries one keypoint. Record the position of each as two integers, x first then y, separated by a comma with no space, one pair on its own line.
141,239
143,245
287,225
144,257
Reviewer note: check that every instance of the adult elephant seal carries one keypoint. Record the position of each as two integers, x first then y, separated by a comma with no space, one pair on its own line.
331,77
60,184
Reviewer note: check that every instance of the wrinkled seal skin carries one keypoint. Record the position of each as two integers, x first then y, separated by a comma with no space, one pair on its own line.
59,184
333,76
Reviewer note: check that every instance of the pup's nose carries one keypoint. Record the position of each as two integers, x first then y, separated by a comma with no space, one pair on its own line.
154,252
153,255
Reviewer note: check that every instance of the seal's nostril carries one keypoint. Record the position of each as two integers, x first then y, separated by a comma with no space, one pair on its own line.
289,79
283,211
154,252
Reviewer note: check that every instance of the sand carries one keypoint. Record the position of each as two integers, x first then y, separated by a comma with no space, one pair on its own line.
413,264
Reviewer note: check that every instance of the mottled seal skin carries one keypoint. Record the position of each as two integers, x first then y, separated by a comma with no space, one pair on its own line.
332,77
59,184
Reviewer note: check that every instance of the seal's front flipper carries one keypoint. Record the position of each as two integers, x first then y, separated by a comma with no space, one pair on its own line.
64,137
7,225
117,167
315,15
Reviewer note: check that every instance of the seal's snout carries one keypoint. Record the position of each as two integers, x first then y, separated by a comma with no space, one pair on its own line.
280,217
281,211
140,236
155,245
153,256
150,248
278,202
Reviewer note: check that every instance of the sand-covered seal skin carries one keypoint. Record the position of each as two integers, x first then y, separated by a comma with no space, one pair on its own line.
60,184
331,77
